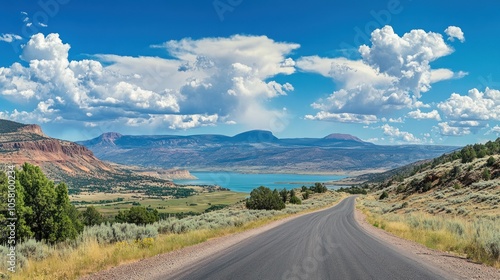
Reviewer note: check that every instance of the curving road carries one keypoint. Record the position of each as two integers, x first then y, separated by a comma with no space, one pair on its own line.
323,245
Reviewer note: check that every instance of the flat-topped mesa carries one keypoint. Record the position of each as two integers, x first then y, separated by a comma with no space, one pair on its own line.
345,137
49,145
255,136
32,128
110,137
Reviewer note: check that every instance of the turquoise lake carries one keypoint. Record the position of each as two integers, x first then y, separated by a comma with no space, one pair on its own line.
242,182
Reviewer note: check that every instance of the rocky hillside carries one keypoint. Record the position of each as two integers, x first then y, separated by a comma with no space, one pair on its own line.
27,143
257,151
465,182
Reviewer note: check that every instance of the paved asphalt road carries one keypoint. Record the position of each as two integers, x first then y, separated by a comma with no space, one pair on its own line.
321,245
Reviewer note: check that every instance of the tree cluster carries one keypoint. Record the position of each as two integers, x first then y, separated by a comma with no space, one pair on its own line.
138,215
42,209
353,190
263,198
318,188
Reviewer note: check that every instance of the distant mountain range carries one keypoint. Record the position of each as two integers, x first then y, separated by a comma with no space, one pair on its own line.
258,151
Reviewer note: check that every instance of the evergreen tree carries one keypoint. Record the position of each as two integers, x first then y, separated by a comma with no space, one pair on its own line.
284,195
40,198
486,174
141,215
16,197
319,188
65,227
468,154
121,217
48,212
92,217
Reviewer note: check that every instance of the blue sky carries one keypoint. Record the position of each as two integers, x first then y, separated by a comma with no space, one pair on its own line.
389,72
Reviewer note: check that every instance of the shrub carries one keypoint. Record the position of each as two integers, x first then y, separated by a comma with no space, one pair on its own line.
215,207
145,243
352,190
490,161
427,186
295,200
486,174
32,249
384,195
106,233
305,195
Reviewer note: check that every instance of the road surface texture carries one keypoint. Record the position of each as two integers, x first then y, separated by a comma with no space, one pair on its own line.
322,245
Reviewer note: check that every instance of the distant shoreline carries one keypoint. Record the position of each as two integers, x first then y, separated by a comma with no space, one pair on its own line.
292,172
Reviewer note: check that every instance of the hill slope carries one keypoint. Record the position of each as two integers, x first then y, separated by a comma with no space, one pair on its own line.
449,203
21,143
475,166
257,151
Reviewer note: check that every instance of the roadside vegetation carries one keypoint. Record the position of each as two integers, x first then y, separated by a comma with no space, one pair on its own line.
449,203
92,242
476,238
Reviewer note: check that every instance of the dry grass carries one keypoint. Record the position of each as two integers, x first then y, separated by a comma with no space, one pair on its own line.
476,238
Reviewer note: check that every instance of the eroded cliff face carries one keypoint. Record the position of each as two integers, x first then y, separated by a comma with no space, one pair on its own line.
165,174
178,174
33,129
29,144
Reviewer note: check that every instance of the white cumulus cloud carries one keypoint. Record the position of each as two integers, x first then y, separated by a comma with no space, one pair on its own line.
469,113
206,82
448,130
407,57
343,117
455,32
419,115
475,105
393,73
395,133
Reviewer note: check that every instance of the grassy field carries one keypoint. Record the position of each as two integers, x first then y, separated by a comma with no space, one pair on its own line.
196,203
